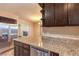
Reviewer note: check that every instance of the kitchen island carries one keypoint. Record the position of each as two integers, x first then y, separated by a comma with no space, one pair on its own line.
50,45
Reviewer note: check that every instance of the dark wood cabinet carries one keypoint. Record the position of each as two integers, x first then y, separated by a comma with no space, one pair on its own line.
26,52
54,53
16,49
60,14
49,15
7,20
54,14
20,49
73,13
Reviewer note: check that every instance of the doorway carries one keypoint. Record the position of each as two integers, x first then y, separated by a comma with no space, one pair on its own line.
8,32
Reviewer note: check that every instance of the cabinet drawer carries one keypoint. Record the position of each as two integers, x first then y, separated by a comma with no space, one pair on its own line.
26,46
18,43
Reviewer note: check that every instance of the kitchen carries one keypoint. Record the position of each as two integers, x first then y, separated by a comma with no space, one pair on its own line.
53,30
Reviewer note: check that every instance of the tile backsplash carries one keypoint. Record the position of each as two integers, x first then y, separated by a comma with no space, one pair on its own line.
71,30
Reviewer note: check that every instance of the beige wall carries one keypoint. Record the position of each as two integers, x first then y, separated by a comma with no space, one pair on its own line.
30,24
37,29
73,30
34,27
8,14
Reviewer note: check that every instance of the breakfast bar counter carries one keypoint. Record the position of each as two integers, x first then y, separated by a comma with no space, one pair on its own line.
65,47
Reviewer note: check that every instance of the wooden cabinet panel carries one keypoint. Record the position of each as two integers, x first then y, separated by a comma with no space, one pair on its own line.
26,52
26,46
49,15
60,14
21,49
73,13
55,14
16,51
7,20
54,53
41,5
18,43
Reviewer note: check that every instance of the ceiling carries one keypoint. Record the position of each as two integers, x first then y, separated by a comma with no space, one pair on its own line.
26,11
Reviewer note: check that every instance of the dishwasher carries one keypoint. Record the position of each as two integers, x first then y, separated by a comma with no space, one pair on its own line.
34,51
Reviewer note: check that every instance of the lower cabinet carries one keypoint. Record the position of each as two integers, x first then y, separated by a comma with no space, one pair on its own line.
26,52
54,53
16,51
21,49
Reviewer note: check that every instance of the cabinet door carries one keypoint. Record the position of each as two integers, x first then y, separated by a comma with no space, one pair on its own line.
20,51
60,14
49,15
73,13
26,52
16,51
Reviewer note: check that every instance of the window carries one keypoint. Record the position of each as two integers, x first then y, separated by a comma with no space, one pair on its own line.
25,28
8,30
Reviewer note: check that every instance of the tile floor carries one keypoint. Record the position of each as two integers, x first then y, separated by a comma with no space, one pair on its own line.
8,53
6,48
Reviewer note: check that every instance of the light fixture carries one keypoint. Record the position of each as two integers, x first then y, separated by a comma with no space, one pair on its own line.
40,22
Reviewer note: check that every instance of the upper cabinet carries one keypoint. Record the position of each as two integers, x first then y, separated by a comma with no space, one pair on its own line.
8,20
49,15
73,14
60,14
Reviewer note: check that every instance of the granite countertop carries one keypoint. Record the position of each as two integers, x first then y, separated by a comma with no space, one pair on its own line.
64,47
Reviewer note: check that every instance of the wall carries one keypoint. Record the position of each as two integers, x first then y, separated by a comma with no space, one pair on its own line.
8,14
37,30
71,30
31,27
34,27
